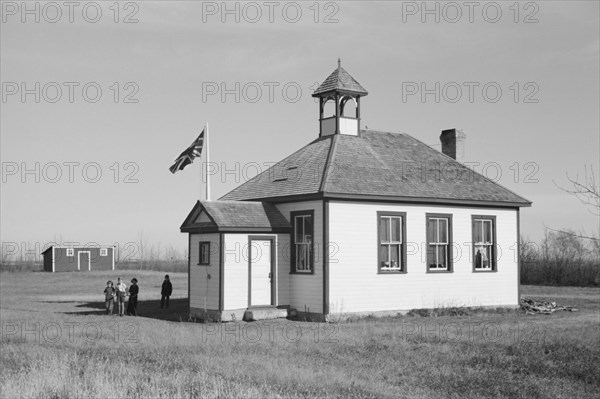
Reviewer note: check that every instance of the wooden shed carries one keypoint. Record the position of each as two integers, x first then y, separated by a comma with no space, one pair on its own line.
72,259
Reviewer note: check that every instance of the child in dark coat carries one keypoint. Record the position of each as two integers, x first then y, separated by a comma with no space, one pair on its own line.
165,292
109,297
133,298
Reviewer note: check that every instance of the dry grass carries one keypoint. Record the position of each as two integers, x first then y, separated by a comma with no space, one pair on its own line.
496,354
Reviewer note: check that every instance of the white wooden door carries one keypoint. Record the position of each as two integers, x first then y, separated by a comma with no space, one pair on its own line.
83,260
260,272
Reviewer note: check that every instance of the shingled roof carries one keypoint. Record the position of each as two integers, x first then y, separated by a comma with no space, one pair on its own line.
340,80
374,166
234,216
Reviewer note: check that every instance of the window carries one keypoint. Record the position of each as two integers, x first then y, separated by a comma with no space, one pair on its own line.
391,238
302,246
204,255
439,242
103,252
484,243
70,252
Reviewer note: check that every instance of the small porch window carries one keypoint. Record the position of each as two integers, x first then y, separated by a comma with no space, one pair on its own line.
204,256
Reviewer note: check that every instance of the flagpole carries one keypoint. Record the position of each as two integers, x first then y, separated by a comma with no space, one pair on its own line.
207,160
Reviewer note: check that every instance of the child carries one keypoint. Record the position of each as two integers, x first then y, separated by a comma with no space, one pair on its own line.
133,297
165,292
121,292
109,297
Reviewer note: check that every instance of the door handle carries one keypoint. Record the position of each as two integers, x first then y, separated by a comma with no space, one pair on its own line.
270,276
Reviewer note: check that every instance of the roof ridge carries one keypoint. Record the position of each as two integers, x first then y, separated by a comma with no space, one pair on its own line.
330,155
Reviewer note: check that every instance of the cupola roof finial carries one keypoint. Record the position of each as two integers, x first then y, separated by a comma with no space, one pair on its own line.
339,62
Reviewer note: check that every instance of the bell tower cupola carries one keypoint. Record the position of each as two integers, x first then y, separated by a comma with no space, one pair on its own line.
339,103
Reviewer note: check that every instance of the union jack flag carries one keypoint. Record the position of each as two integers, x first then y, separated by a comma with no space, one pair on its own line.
188,156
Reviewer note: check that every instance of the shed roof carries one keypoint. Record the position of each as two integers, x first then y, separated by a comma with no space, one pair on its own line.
77,247
374,165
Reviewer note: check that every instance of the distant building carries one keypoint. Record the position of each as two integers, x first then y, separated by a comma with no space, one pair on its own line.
70,259
356,221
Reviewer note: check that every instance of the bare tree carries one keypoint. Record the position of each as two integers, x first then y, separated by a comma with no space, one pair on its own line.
585,188
563,258
141,242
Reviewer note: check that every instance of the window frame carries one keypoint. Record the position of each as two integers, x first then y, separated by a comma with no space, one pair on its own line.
103,251
402,243
494,257
293,215
449,254
70,251
200,253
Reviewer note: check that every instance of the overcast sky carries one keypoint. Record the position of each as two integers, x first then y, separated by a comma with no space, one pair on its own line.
118,101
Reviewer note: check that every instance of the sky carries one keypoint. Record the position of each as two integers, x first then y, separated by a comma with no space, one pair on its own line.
99,98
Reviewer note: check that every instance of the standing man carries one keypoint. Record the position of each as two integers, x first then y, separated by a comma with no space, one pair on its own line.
121,293
165,292
133,297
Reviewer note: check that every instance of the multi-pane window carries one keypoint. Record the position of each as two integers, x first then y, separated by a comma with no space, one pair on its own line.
483,243
70,252
204,256
391,232
103,252
302,256
439,242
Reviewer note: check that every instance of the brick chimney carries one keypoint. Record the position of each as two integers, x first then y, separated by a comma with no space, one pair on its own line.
453,143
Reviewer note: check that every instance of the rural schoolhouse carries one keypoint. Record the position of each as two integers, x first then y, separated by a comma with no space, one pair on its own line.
356,221
78,258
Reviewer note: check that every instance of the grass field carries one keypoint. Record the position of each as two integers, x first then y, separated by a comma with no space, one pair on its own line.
57,344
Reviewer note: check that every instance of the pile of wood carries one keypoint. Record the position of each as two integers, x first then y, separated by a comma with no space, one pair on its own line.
531,306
